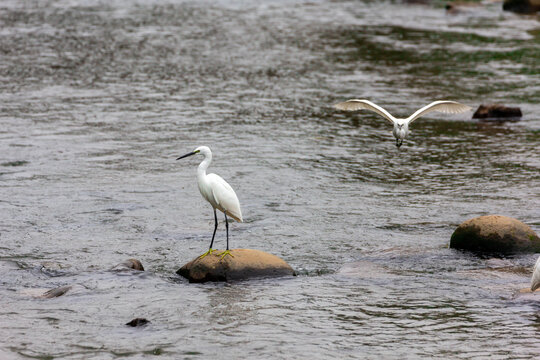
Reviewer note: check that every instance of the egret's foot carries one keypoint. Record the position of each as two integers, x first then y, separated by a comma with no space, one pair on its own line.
210,251
225,253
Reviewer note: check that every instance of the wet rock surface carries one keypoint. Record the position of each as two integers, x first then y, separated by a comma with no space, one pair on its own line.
495,234
243,264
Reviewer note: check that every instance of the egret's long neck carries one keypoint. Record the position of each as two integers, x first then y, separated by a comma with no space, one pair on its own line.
201,171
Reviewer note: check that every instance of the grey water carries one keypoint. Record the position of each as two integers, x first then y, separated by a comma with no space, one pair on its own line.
98,98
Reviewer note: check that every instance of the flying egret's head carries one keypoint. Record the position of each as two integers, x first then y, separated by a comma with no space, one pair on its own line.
205,150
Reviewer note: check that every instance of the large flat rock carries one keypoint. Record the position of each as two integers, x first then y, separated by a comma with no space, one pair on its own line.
243,264
495,234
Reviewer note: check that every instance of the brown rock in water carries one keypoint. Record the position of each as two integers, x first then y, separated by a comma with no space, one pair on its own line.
522,6
497,111
129,264
495,234
246,263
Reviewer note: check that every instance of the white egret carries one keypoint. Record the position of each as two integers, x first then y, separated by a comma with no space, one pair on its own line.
401,126
218,193
535,280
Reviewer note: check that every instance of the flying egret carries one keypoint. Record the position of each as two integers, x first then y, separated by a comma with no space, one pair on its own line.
535,280
218,193
401,126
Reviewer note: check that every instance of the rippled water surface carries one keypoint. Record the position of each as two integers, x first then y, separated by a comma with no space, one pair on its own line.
98,98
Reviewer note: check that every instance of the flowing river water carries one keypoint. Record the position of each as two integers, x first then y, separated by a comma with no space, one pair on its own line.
98,98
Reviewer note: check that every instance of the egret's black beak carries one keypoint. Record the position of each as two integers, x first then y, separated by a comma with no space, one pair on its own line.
188,154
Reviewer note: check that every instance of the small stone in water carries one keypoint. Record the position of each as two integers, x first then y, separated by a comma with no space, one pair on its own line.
129,264
138,322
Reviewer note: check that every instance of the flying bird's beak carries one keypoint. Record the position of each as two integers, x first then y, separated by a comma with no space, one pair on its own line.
188,154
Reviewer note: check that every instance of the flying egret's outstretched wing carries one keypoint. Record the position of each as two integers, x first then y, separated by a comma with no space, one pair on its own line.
535,280
358,104
225,197
445,106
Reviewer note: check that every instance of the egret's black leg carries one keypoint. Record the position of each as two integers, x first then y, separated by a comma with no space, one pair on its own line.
215,228
226,252
227,227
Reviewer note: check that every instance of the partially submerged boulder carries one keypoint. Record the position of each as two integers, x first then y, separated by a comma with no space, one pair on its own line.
243,264
56,292
497,112
128,265
495,234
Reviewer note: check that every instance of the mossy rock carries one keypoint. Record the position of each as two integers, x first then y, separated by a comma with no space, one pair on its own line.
243,264
495,234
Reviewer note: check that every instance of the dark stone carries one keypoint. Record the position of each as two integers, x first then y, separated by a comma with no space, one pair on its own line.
497,111
244,264
138,322
495,234
522,6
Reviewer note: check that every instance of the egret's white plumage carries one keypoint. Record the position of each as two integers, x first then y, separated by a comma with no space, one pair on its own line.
401,125
535,280
216,191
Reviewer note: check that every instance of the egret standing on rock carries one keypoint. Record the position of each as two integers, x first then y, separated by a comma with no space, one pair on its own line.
401,126
535,280
218,193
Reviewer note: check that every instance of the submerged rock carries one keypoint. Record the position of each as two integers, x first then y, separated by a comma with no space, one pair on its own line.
522,6
495,234
366,270
53,293
129,264
243,264
456,7
497,112
525,294
138,322
59,291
